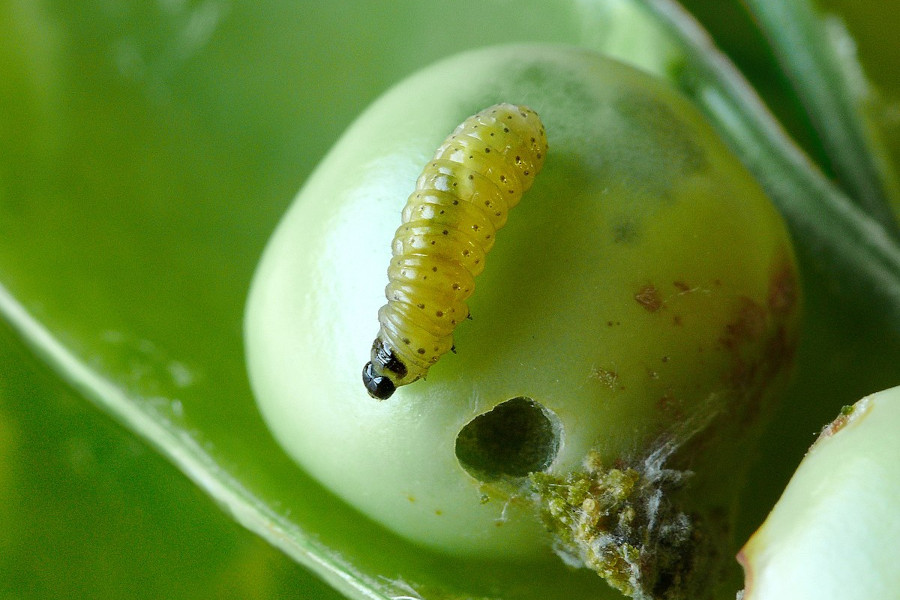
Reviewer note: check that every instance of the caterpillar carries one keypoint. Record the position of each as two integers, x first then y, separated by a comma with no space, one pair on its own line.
461,199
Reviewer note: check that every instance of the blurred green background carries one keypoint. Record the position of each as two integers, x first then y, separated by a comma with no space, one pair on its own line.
147,150
88,511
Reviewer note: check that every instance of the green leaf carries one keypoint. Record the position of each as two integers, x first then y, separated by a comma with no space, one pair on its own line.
819,57
873,28
89,511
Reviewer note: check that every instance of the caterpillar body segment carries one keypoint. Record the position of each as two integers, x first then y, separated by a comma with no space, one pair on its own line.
449,224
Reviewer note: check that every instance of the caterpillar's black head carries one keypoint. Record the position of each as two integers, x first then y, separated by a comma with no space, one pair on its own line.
378,386
382,371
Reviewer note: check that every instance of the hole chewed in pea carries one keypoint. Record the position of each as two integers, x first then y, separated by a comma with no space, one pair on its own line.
514,439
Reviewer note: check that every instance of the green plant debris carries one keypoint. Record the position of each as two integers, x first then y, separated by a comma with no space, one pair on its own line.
622,523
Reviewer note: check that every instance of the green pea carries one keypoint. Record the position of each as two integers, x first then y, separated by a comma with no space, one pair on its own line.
834,534
637,312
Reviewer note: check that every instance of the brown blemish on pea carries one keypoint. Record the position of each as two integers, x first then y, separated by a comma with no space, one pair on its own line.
783,290
848,413
760,341
648,297
747,326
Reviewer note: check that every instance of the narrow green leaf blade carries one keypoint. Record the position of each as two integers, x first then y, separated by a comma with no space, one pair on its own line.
818,55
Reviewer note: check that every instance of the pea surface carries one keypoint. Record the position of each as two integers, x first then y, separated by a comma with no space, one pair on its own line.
642,293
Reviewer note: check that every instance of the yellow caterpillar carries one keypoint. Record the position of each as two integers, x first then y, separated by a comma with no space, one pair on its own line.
462,198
